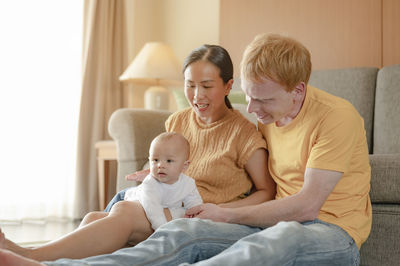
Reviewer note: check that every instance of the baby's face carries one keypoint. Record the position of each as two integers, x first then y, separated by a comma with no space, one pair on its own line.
167,161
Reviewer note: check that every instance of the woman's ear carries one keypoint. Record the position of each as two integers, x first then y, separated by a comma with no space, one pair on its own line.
228,86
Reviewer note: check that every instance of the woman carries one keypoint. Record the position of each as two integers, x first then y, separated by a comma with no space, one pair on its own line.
228,159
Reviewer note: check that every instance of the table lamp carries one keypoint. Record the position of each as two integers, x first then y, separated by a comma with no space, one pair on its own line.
155,65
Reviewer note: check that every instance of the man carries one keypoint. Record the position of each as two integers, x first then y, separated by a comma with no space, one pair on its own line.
318,157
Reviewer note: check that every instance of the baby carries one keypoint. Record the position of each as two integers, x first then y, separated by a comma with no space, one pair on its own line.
166,186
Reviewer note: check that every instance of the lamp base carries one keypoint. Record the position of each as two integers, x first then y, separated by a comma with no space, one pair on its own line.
156,97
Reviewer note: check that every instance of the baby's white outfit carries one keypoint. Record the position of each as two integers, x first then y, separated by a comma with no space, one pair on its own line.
154,196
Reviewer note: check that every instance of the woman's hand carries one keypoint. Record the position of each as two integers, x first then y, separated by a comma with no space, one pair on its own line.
137,176
207,211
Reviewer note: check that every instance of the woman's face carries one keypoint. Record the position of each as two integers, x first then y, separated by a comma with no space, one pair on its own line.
206,91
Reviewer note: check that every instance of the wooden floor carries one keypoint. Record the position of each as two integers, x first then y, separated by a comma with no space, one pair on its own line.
37,233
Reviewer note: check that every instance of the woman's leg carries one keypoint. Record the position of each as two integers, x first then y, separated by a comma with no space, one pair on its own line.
127,222
91,217
117,198
11,259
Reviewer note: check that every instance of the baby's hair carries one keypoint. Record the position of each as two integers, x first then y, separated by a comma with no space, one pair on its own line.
170,135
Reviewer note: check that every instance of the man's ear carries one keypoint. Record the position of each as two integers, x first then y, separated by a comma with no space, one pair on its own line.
300,89
185,165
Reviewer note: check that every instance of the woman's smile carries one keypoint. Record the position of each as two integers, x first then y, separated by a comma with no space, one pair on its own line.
205,90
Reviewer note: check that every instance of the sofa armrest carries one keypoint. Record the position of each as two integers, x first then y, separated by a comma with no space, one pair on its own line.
133,130
385,178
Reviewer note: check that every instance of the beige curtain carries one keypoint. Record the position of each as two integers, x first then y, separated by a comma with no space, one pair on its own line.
104,59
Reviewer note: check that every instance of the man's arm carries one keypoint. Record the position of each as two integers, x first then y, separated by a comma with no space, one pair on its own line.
302,206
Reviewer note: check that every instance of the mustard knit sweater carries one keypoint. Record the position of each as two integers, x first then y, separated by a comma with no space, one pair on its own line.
218,153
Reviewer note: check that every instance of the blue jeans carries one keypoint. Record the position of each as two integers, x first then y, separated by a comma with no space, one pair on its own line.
118,197
203,242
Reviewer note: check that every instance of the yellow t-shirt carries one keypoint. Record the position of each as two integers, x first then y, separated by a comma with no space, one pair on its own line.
218,153
328,133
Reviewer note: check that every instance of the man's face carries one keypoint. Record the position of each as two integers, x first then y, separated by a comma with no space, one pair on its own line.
269,101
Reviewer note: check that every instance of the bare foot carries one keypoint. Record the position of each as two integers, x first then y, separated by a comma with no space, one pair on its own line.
2,239
9,258
9,245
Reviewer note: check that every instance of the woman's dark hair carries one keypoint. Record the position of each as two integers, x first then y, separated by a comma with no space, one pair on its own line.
216,55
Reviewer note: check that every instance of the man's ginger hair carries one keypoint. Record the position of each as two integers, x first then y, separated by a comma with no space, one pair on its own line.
278,58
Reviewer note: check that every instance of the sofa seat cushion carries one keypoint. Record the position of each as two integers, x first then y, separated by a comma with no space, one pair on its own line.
381,247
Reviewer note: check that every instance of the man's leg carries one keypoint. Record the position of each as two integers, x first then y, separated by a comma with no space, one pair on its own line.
179,241
292,243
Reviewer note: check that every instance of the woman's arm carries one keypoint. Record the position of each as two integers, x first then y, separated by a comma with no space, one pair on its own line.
264,185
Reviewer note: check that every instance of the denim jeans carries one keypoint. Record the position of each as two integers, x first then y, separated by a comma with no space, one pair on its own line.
203,242
118,197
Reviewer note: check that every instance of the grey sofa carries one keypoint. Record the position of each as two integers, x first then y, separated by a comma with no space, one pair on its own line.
375,94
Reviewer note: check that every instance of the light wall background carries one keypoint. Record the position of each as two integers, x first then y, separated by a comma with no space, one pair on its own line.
339,34
182,24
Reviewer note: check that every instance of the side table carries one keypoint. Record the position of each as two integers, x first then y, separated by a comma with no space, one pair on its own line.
106,153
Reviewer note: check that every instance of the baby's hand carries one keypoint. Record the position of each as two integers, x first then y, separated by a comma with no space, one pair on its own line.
137,176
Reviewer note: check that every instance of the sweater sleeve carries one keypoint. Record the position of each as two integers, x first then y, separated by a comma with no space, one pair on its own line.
250,140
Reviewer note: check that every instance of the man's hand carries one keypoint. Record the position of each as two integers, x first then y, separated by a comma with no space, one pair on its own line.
137,176
207,211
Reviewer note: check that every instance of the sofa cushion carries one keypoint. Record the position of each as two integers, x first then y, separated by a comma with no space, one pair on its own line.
387,111
385,178
381,247
357,85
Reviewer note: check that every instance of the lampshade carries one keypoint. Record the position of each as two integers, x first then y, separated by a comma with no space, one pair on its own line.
155,64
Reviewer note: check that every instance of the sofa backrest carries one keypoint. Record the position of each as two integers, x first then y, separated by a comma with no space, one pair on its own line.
133,130
357,85
387,111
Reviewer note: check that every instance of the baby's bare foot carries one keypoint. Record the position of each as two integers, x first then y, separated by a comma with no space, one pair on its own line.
10,258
